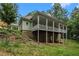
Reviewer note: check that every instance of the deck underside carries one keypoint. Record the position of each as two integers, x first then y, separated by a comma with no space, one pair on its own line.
42,36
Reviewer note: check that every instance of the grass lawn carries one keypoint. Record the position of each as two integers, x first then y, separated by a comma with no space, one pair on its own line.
30,48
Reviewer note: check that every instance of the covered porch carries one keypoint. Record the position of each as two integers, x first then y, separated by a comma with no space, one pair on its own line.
47,28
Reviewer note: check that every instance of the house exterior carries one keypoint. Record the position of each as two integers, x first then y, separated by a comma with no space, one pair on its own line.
14,26
26,23
45,28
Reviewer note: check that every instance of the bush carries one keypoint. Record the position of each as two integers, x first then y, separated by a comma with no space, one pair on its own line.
5,44
9,32
16,45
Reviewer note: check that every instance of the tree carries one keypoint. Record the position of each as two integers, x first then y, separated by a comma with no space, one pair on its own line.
8,12
59,12
73,23
32,13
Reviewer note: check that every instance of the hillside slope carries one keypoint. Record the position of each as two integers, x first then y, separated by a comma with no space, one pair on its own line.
30,48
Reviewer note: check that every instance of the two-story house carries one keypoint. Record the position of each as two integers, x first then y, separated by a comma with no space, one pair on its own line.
45,28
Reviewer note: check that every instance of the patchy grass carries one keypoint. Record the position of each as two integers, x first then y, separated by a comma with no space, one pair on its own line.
30,48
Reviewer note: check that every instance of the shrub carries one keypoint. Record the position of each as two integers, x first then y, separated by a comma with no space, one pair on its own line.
5,44
16,45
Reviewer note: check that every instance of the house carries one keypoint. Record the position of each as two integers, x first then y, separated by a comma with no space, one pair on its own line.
14,26
45,28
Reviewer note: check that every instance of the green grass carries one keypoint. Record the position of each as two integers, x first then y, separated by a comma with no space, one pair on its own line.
30,48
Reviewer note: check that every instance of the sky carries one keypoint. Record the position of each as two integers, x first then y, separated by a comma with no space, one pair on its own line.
25,8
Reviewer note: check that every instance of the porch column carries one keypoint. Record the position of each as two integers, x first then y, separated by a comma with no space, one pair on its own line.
38,28
66,33
46,30
63,34
59,35
53,31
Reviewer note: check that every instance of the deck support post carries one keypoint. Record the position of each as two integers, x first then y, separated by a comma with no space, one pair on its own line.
38,29
53,32
66,33
59,35
46,30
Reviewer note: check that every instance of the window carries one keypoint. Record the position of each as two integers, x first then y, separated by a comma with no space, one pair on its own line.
26,23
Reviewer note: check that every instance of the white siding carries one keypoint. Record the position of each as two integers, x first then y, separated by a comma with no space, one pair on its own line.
26,26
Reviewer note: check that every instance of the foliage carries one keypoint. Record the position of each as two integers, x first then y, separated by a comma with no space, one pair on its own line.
9,46
73,23
4,44
9,32
70,48
8,12
59,12
32,13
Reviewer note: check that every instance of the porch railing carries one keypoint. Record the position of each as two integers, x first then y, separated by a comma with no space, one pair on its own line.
43,27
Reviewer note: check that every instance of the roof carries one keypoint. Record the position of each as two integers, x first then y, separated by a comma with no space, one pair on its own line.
29,17
51,17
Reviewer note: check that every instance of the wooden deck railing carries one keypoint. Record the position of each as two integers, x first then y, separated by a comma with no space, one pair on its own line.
43,27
